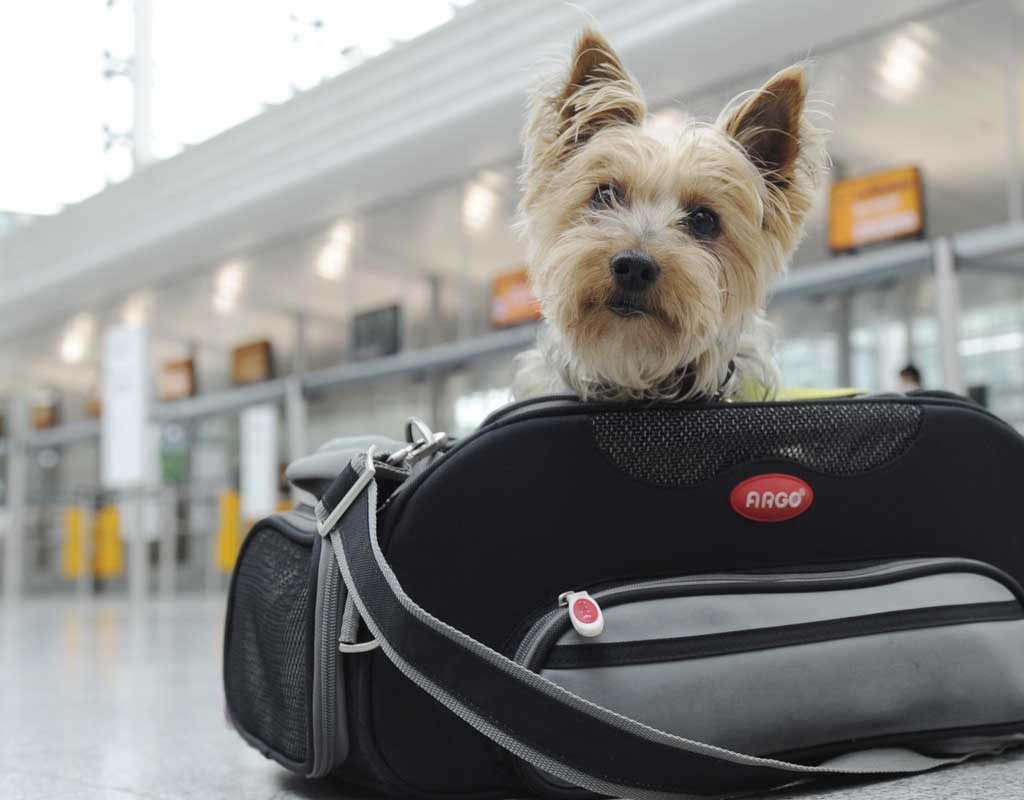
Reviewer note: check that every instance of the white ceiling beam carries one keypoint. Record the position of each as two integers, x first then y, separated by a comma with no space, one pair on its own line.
430,111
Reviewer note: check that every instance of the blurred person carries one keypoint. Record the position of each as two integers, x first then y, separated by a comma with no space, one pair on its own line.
909,379
652,260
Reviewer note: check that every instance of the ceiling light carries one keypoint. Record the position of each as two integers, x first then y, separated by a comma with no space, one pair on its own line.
333,260
75,344
228,286
901,66
479,204
136,309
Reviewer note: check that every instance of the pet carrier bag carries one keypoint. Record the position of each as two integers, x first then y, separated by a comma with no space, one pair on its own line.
649,601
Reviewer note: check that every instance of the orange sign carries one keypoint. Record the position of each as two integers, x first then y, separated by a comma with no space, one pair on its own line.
876,208
512,300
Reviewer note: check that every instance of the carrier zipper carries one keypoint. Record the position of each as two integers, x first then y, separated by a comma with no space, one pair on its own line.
329,656
551,625
584,613
684,648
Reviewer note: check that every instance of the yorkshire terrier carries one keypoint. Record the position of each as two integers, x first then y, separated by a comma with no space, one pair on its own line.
652,261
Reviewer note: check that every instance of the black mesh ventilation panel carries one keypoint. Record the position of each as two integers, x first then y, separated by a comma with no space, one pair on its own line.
266,658
685,446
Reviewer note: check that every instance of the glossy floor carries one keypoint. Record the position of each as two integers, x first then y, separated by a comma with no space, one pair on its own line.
98,700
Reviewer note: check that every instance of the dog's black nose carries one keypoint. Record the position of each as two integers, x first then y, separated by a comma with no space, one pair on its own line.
634,271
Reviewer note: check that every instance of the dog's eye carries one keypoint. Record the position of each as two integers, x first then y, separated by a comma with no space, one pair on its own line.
607,195
703,223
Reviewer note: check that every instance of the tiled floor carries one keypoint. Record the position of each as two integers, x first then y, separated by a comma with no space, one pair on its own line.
103,701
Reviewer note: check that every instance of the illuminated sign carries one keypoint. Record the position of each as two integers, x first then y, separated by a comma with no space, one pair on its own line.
512,300
876,208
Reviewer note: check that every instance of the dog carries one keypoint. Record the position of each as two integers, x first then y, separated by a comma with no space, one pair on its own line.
652,261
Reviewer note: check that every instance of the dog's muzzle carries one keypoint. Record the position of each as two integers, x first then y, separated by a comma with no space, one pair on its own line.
635,273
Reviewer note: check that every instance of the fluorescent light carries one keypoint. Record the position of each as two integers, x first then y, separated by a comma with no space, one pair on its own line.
901,66
75,344
136,309
228,286
333,260
480,200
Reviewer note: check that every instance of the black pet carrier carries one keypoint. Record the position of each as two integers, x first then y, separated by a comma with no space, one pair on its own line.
646,601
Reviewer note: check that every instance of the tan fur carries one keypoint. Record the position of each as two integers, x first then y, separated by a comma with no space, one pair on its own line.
757,167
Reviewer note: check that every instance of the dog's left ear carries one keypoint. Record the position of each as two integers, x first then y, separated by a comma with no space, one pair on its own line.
768,125
773,129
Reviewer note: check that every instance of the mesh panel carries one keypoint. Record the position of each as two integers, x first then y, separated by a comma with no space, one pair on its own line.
685,446
267,670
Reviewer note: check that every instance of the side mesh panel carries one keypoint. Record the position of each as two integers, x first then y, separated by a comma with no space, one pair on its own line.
266,667
683,447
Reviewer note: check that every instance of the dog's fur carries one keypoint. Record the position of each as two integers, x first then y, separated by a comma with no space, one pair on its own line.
700,329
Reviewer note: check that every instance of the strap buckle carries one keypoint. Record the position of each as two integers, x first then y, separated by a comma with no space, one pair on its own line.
423,442
325,526
328,524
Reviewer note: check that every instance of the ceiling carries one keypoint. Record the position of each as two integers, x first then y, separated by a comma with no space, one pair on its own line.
932,92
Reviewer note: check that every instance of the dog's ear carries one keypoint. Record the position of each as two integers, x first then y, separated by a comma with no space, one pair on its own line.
773,128
598,92
768,125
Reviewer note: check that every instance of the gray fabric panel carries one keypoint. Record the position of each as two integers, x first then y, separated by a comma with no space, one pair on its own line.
334,456
794,697
694,616
912,763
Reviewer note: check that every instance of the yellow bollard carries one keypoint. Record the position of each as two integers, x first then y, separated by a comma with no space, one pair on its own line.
108,558
229,535
74,543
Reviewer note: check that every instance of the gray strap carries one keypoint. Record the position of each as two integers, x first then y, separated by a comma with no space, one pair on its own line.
363,523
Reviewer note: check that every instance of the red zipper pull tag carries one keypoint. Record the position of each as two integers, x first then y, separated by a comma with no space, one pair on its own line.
584,613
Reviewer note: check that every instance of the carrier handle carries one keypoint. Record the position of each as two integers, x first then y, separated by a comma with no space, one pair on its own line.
566,736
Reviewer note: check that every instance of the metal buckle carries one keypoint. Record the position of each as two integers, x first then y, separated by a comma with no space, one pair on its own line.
423,442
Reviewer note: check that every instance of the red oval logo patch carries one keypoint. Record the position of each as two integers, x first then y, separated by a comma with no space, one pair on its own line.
771,498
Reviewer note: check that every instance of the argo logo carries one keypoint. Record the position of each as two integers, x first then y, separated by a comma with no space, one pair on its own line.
771,498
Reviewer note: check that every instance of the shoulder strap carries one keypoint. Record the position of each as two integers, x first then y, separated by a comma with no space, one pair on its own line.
533,718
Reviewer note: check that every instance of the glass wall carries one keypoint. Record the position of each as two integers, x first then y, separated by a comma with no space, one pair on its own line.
992,335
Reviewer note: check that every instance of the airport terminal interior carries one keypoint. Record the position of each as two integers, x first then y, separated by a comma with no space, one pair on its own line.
231,231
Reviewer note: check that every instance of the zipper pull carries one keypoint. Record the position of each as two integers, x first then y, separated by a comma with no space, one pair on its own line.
584,613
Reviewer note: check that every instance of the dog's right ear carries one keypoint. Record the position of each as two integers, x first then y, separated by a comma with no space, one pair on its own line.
596,93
